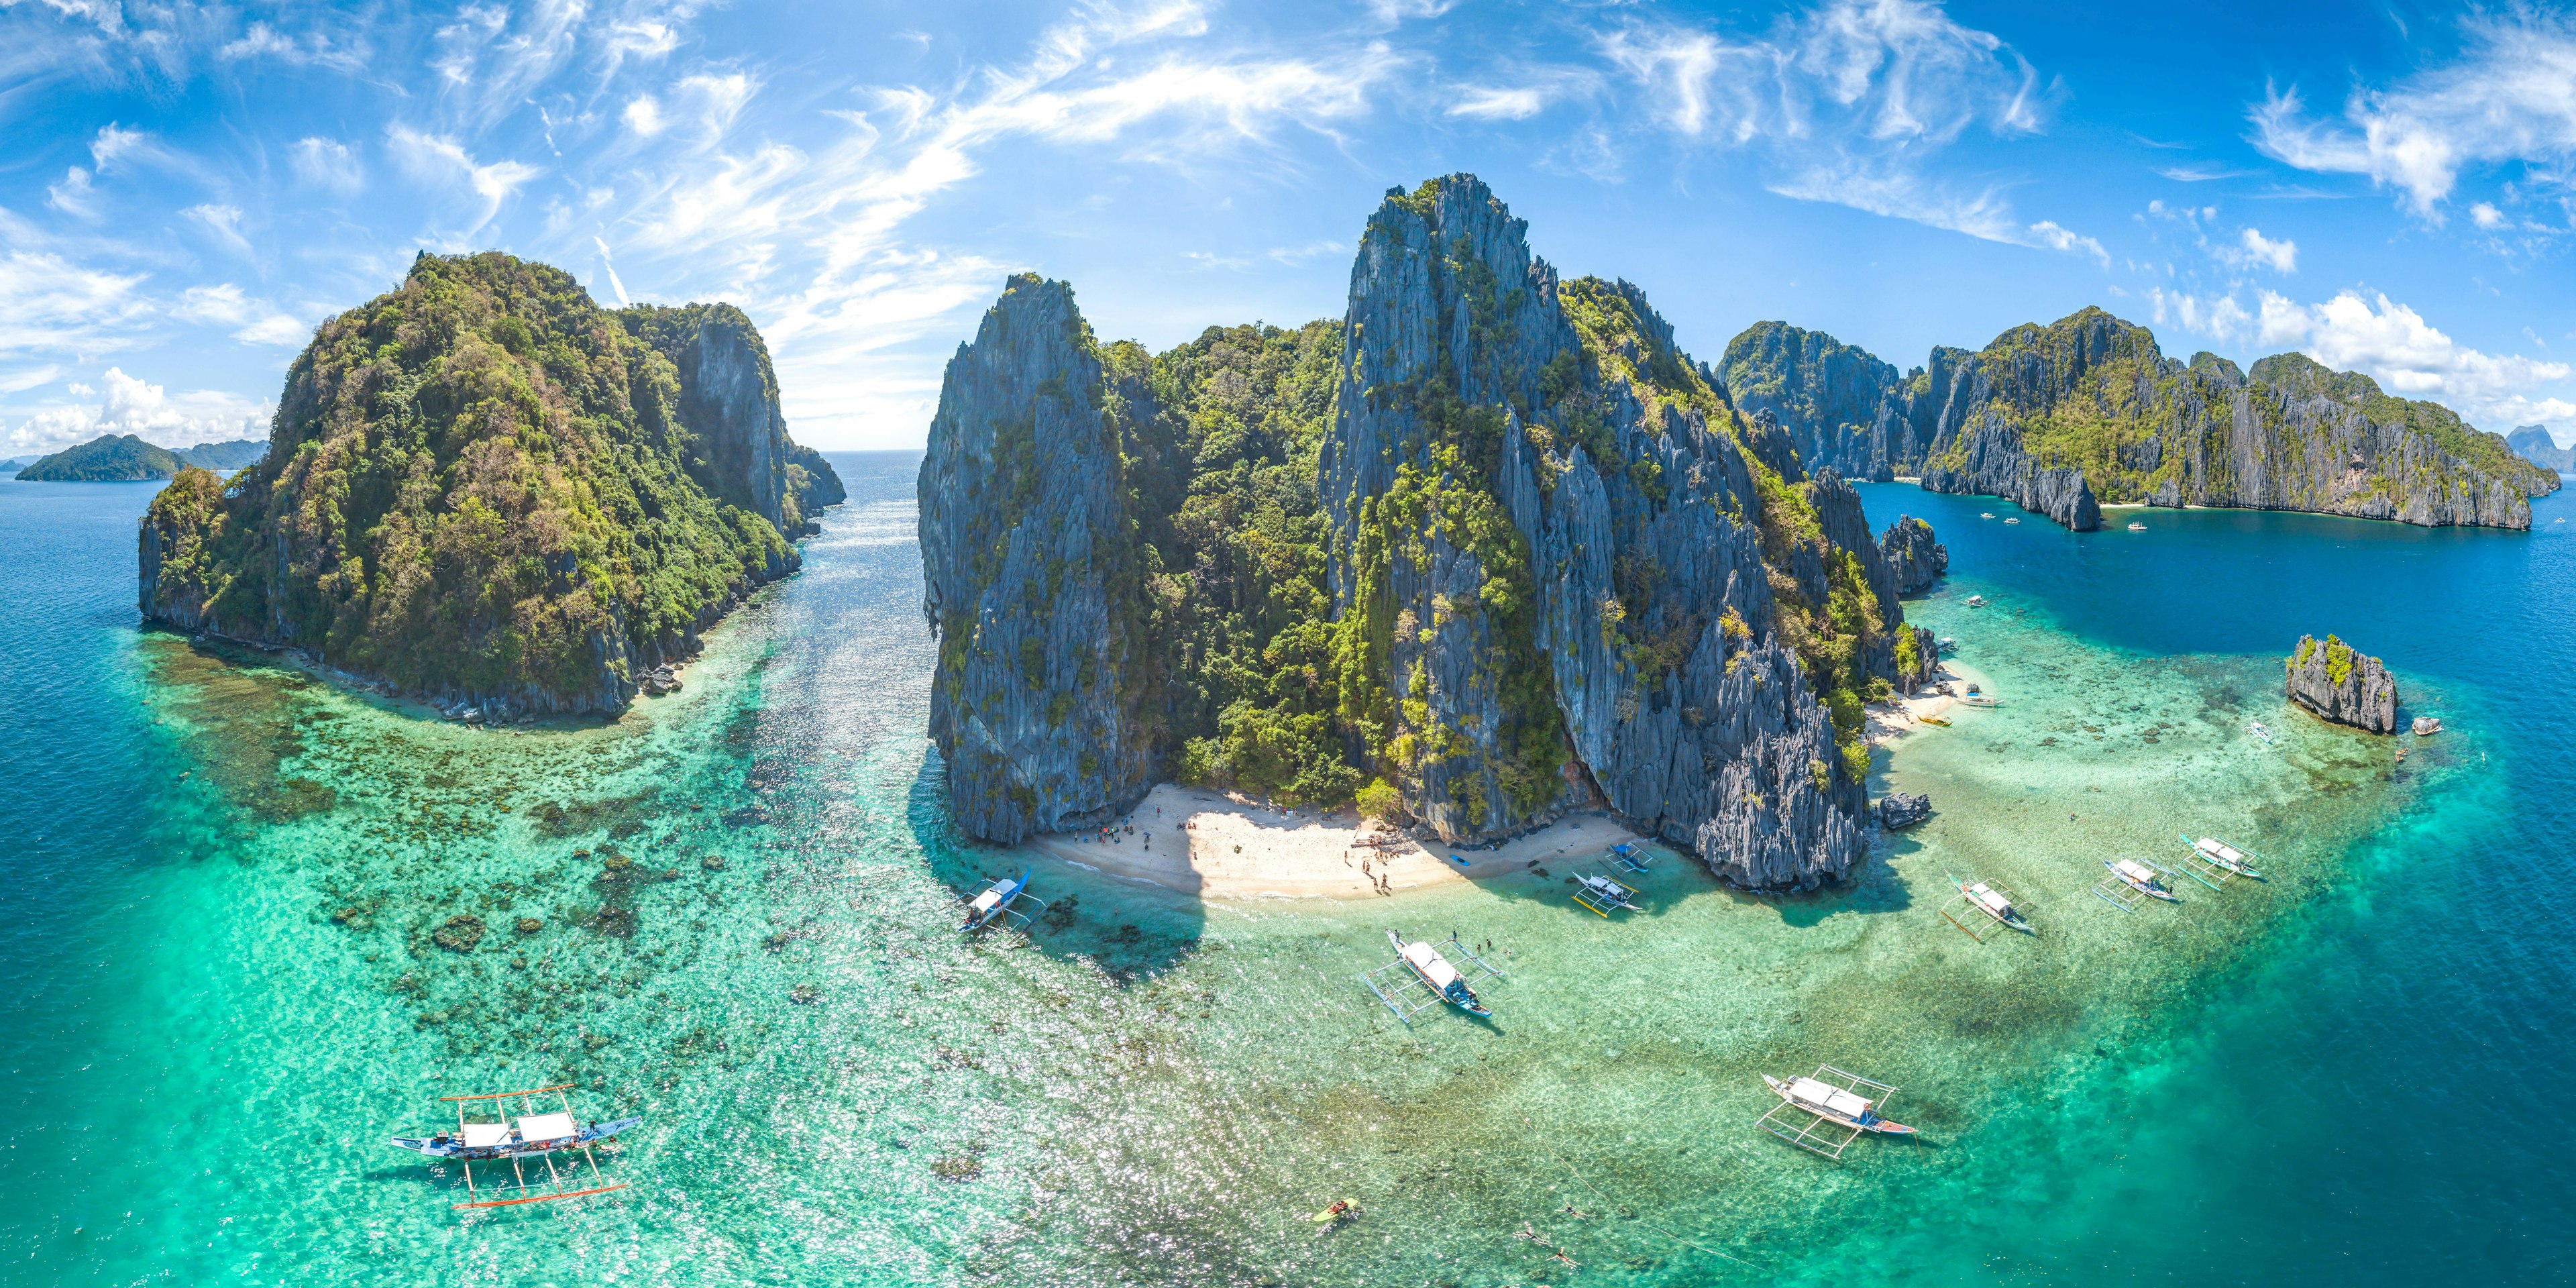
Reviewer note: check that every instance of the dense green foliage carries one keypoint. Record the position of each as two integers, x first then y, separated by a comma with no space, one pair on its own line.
124,458
480,481
1222,477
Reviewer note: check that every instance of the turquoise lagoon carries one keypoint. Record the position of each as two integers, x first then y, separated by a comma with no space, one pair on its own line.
222,987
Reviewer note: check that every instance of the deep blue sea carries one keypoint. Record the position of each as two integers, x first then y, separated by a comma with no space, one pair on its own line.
221,989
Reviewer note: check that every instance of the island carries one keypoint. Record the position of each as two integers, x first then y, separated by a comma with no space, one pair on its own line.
1488,549
483,489
2336,682
2534,444
2087,411
122,458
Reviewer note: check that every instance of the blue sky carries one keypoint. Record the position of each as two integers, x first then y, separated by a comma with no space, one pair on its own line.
188,189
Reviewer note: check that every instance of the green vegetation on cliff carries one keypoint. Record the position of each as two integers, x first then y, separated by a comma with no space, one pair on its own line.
480,483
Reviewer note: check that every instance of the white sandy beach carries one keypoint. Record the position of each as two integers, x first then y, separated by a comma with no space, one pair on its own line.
1220,846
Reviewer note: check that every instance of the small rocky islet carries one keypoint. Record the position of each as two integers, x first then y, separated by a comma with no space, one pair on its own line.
2337,682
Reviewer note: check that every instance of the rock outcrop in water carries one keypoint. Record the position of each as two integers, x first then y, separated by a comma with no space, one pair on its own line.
1913,558
1517,553
484,489
2339,683
2062,418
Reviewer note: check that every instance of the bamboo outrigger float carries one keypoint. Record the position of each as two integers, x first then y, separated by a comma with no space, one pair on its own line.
2215,862
1424,968
1837,1107
535,1135
1980,906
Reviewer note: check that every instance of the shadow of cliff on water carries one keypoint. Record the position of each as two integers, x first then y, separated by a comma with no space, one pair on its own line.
1126,929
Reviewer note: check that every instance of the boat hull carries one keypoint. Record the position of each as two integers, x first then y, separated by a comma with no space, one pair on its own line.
449,1147
1872,1122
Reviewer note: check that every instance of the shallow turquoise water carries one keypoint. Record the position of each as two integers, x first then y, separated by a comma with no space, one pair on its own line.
225,991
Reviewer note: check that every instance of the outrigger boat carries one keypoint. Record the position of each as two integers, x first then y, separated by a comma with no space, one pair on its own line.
538,1136
1834,1102
1422,965
1994,902
1979,700
2137,527
995,904
1977,601
2133,882
2256,728
1603,895
2225,861
1936,720
1627,856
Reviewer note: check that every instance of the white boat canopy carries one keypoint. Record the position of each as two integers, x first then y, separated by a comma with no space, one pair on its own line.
1828,1096
484,1135
540,1127
2134,870
1433,966
985,901
1993,901
2220,850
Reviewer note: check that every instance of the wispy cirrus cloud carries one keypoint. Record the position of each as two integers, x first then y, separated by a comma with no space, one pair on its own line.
1849,103
2508,98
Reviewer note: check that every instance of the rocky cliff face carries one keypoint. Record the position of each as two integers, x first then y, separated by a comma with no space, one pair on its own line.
2064,417
1031,577
1914,559
485,490
729,398
2340,684
1551,565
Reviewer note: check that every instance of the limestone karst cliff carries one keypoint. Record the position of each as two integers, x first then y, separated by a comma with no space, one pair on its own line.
1516,553
2341,684
1913,557
1032,576
485,489
2063,418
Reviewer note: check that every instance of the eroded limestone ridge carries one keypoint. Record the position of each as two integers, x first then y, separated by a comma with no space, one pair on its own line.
2088,410
1492,546
484,489
2342,684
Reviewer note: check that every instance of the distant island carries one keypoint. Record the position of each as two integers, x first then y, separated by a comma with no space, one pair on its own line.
486,490
1487,549
120,458
2064,418
11,466
2533,443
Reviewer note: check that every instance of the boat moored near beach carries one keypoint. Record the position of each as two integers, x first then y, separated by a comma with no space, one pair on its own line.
996,903
2215,862
1422,976
1838,1106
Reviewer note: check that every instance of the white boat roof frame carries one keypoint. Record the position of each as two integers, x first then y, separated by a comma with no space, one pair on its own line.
1821,1133
1963,910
